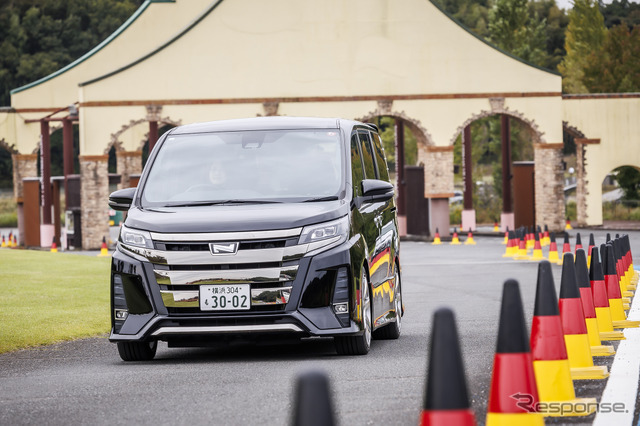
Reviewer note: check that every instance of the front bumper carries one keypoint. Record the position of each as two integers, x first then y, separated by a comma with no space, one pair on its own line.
309,310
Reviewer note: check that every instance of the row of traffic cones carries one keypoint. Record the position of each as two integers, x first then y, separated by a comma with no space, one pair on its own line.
10,242
455,240
533,378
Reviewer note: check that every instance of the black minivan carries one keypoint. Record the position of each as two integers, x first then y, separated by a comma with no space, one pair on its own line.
258,228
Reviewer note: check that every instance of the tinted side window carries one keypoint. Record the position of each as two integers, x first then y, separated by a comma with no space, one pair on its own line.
357,174
367,156
383,170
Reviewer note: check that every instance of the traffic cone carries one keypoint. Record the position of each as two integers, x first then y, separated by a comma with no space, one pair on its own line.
546,239
436,239
584,286
600,300
54,246
4,243
578,242
606,240
446,401
312,400
530,238
496,227
631,273
15,242
566,247
469,241
537,249
511,248
553,249
455,240
506,236
618,317
513,378
522,248
621,269
550,362
592,244
568,227
574,326
104,251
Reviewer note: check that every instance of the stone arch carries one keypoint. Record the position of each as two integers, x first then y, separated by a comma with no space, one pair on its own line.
115,137
385,108
11,148
497,107
573,131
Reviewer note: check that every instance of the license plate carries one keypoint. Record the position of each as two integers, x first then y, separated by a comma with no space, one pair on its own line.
227,297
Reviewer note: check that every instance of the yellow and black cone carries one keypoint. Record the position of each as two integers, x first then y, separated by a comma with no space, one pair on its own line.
446,400
618,317
600,299
622,268
454,239
584,287
545,236
506,236
436,239
512,245
550,363
568,226
104,251
553,249
312,404
4,243
521,254
575,328
537,249
469,241
54,246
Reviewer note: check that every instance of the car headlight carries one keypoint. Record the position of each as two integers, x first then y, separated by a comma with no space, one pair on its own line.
135,237
326,233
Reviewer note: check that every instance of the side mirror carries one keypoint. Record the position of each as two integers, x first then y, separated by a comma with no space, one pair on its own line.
375,190
122,199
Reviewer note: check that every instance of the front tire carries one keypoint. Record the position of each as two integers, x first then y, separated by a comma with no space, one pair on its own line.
359,345
137,351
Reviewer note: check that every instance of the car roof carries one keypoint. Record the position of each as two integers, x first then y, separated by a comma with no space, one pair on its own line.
266,123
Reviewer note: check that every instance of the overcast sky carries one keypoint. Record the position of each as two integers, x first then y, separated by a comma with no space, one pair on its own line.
567,4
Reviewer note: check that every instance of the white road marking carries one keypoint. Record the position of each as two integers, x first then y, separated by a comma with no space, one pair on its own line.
622,386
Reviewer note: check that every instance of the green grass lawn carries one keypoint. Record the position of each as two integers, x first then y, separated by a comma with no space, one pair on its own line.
50,297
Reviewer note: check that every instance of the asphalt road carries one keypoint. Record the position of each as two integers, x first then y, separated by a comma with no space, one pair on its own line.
84,382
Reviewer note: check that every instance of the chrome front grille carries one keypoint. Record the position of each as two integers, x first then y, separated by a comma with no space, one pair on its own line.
267,260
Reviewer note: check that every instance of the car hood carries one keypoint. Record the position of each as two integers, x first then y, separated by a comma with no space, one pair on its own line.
232,218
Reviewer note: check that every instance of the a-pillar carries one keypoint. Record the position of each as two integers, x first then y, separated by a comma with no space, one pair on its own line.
507,218
94,193
129,163
549,189
24,166
438,184
468,212
400,182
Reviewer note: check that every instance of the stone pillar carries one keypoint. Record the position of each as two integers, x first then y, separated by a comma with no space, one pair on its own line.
549,188
94,195
581,179
24,166
468,212
438,184
128,163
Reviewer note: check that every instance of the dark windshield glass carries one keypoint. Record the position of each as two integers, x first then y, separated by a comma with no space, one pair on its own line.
291,165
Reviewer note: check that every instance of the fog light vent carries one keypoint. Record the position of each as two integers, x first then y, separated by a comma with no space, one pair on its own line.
121,314
341,308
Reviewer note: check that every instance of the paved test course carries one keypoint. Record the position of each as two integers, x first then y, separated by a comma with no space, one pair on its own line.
84,382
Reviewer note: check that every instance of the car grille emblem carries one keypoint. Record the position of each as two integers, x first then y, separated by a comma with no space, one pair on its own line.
224,248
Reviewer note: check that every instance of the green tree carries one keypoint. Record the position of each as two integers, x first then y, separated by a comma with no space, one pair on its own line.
585,34
615,67
514,29
629,180
620,12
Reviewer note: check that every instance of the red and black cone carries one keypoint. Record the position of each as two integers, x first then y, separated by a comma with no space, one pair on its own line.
584,287
446,400
578,242
618,317
512,366
574,326
601,300
592,244
312,401
566,247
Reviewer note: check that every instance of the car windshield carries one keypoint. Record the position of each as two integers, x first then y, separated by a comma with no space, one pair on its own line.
249,166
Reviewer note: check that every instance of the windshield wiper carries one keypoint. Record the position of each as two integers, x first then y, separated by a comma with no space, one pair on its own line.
329,198
214,203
